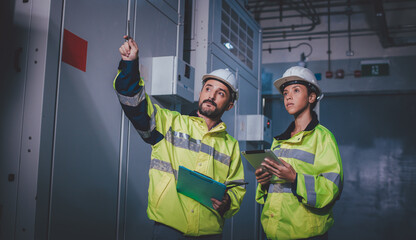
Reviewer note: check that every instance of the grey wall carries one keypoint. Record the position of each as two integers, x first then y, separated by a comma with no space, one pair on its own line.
399,80
376,140
372,120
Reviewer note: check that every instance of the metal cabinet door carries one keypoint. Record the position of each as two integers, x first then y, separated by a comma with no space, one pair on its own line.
87,159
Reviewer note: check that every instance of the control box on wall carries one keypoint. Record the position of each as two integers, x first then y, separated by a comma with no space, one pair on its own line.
172,79
254,128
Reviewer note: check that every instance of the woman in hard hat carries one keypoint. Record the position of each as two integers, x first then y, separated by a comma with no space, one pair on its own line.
299,204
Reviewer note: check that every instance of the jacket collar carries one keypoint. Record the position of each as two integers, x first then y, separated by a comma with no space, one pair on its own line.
312,124
195,114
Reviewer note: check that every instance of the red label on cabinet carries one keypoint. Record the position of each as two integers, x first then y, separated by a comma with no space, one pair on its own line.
74,51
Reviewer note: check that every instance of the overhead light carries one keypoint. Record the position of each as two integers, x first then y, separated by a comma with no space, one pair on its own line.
302,64
302,61
228,45
349,53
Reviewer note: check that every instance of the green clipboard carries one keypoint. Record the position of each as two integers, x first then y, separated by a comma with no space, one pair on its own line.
199,187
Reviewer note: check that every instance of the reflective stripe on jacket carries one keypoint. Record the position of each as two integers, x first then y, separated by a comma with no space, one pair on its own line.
180,140
303,209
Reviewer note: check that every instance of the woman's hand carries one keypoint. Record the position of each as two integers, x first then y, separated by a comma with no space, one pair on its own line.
263,176
284,171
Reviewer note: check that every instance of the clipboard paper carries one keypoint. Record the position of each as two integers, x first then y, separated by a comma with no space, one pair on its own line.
199,187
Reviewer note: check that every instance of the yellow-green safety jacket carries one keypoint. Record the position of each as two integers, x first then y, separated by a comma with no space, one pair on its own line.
180,140
303,209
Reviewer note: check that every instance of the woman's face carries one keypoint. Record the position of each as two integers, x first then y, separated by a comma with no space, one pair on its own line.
297,99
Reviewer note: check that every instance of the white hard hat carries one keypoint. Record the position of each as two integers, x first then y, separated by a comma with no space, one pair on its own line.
225,76
302,74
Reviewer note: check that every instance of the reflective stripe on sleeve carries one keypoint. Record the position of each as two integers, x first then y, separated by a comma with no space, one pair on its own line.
147,133
280,188
235,183
232,193
132,101
182,140
310,189
163,166
333,177
144,134
295,153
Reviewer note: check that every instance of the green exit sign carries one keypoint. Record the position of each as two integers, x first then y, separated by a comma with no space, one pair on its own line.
375,68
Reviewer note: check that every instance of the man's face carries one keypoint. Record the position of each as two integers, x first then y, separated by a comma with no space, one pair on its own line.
297,99
214,99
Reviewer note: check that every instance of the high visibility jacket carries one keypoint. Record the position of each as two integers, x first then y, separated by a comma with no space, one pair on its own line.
303,209
180,140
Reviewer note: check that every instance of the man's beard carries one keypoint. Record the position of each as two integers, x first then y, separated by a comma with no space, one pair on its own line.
213,114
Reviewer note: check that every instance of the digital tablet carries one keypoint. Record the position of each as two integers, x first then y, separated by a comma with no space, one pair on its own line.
256,157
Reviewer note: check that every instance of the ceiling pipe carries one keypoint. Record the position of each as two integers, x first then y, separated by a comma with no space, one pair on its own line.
349,12
272,5
381,21
329,36
293,26
316,38
286,36
307,10
398,41
318,14
310,6
290,48
394,30
321,14
269,31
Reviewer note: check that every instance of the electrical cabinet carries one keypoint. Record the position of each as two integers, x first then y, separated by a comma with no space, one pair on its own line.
256,128
172,79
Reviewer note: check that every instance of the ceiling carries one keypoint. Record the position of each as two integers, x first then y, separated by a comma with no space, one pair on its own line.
393,21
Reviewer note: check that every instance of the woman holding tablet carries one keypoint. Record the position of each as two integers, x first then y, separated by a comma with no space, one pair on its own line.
300,205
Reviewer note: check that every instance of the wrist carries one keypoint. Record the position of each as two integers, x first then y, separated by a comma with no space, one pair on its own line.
293,178
265,186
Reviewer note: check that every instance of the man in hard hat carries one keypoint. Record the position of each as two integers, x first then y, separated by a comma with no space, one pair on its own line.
299,205
198,141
